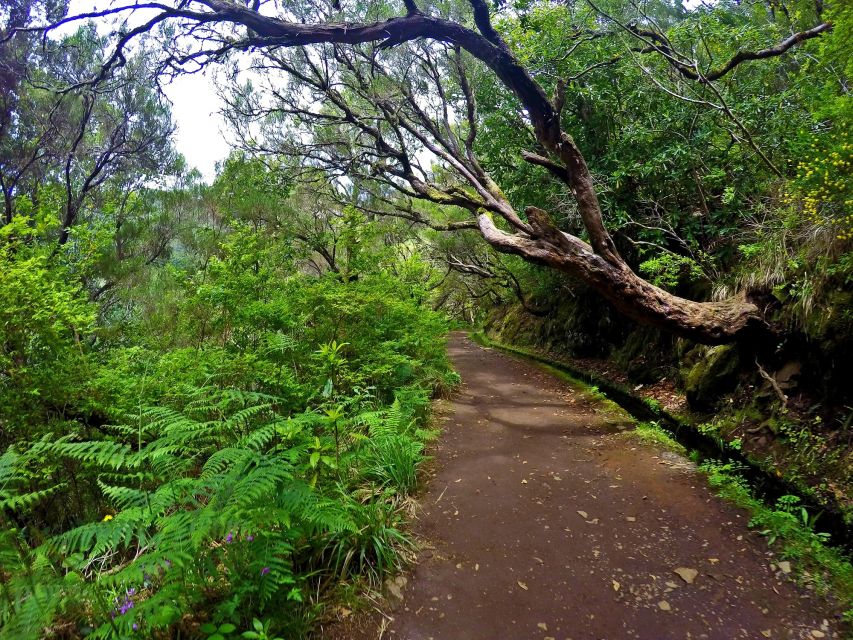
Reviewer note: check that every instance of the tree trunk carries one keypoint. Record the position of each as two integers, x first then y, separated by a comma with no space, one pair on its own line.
597,263
706,322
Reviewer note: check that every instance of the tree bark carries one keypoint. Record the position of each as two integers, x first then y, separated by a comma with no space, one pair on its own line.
706,322
537,240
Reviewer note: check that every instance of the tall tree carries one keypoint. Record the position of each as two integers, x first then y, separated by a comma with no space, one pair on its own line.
63,134
204,30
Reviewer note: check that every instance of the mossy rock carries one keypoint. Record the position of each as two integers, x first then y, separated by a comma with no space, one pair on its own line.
647,355
711,376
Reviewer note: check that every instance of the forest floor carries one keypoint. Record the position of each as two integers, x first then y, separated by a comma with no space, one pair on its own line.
544,519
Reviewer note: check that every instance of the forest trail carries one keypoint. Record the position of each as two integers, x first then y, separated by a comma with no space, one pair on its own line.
544,522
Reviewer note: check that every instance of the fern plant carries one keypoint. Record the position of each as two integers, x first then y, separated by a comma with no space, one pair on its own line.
226,507
239,469
211,508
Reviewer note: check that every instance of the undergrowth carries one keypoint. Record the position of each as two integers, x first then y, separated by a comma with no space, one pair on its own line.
228,482
789,530
653,433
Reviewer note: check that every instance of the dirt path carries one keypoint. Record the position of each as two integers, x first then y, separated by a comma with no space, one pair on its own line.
545,522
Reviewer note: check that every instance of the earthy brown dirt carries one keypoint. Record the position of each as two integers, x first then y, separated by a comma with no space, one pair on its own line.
544,522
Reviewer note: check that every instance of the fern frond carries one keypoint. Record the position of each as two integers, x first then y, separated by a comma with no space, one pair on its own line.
123,497
24,501
103,453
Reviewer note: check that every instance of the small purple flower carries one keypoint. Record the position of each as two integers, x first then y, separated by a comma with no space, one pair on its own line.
265,571
131,591
229,538
249,538
168,563
135,627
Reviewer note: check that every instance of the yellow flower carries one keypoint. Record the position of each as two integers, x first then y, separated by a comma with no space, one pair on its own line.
107,518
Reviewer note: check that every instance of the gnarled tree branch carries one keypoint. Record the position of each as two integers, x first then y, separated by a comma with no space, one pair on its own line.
538,240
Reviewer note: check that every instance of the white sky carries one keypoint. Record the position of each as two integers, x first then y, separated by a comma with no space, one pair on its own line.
200,134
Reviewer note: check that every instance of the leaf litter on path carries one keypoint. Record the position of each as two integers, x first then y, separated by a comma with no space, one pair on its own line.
686,574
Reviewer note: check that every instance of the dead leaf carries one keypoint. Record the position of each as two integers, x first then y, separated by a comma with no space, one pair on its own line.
664,605
522,585
616,585
631,519
542,626
688,575
583,514
394,589
785,566
767,633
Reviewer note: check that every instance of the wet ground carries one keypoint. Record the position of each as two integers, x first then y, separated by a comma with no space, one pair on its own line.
543,521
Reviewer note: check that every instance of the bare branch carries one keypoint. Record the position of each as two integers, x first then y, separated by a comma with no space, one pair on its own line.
746,56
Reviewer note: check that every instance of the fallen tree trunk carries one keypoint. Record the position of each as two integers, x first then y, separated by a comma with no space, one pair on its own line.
706,322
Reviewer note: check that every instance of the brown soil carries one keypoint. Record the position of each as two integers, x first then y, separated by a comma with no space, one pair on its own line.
543,521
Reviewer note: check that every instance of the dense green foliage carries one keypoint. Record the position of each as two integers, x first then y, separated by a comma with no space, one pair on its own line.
690,173
258,451
214,398
228,436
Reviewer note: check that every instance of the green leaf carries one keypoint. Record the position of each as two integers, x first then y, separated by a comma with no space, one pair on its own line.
166,616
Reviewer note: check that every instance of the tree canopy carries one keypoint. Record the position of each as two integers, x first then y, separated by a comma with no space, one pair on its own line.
392,116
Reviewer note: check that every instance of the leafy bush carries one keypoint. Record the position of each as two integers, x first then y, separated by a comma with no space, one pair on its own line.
44,318
260,459
218,508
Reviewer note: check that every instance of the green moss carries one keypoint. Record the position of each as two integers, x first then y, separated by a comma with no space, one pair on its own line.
653,433
712,375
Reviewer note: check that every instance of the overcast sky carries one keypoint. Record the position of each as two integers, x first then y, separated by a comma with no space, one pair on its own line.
195,109
200,136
